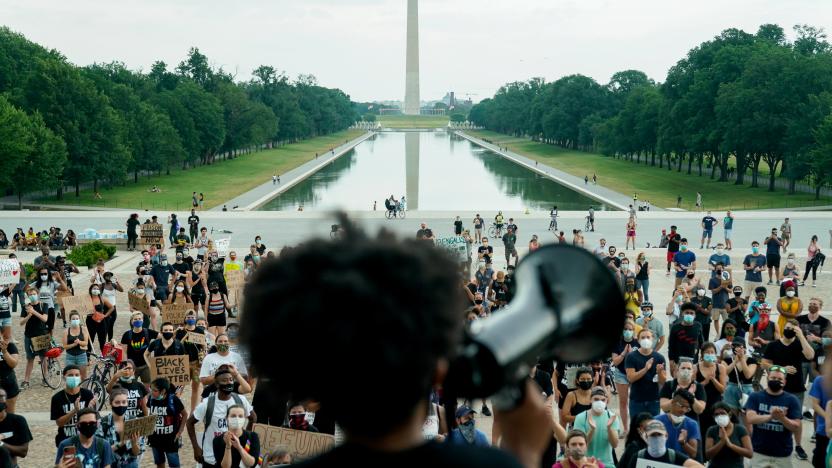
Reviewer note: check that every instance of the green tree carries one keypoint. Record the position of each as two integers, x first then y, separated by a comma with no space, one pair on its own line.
16,141
42,166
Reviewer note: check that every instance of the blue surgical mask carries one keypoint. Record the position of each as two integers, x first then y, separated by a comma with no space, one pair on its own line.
688,318
755,249
683,248
190,321
826,341
628,335
709,358
137,323
73,381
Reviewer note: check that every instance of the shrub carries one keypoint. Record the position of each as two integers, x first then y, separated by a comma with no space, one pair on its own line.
89,254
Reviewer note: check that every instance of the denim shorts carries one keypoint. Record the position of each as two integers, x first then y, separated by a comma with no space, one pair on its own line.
619,377
30,352
6,322
75,360
159,457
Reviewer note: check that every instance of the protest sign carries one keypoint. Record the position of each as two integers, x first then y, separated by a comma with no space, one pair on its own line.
195,338
138,303
39,343
9,271
142,426
83,304
235,279
455,246
642,463
175,313
173,368
151,233
302,444
60,295
222,246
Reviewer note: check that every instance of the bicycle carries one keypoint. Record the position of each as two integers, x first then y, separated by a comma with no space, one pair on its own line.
588,226
390,214
495,231
51,368
102,372
335,232
553,225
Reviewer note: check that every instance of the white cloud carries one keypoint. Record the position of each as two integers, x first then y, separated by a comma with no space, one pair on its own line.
470,46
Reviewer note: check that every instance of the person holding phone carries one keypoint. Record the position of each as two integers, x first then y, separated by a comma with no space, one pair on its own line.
85,450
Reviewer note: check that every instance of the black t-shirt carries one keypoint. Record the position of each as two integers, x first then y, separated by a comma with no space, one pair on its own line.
619,349
673,242
813,328
699,393
732,376
5,370
35,326
193,221
15,429
645,388
137,343
132,224
678,460
431,454
167,422
190,348
248,440
543,380
63,403
487,251
158,349
791,355
136,391
182,268
458,227
684,340
726,457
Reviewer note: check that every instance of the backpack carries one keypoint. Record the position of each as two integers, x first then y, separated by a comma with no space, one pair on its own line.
209,411
671,455
98,441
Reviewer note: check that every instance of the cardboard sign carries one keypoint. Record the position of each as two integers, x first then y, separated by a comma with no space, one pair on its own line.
152,231
138,303
39,343
175,313
642,463
9,271
142,426
60,295
83,304
455,246
195,338
235,279
302,444
174,368
221,246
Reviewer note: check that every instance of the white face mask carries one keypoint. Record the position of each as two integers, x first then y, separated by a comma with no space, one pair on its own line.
677,419
685,374
701,292
656,446
625,266
722,420
95,292
180,288
236,422
599,406
790,293
646,343
720,251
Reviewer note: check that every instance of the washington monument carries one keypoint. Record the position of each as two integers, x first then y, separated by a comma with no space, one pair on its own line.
411,91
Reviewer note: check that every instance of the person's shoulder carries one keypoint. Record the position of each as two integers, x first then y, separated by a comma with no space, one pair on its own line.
434,454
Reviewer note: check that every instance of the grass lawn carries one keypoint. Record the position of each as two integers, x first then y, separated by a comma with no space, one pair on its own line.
219,182
659,186
413,121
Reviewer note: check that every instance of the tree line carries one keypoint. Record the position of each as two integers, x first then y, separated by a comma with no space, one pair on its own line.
733,103
64,126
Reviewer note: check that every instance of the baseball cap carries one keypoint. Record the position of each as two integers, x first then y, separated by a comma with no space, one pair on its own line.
655,427
463,410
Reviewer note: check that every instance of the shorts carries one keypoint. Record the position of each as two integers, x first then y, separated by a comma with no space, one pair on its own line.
76,360
30,352
733,394
159,456
728,233
749,286
670,256
716,314
9,384
619,377
631,233
773,261
216,320
511,252
5,322
708,233
764,461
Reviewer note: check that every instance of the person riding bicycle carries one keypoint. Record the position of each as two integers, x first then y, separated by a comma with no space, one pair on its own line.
498,221
591,219
553,224
392,205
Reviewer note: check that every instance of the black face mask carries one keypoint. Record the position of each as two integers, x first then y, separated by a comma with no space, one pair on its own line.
2,406
227,388
584,385
119,410
167,335
87,428
738,294
478,301
215,290
775,385
789,333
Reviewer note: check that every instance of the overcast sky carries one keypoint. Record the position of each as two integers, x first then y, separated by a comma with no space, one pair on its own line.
469,46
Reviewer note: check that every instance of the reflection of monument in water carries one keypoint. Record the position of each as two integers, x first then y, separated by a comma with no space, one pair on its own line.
411,158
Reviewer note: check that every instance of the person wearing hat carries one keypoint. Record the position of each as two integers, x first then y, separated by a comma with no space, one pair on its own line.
648,321
655,434
466,432
683,433
600,426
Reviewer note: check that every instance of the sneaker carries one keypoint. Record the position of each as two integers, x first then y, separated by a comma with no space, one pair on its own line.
814,285
24,385
813,439
808,415
800,453
485,411
769,282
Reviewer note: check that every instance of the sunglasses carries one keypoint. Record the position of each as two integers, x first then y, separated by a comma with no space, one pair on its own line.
777,369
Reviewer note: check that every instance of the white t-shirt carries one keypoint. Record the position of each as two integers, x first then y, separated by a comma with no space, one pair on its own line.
217,425
214,360
600,251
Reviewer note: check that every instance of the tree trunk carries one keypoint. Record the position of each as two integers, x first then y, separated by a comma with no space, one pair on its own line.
699,160
792,186
817,191
653,158
690,163
77,188
136,176
19,200
755,171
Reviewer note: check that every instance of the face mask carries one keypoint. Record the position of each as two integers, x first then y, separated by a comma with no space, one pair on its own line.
646,343
75,322
2,406
87,428
730,332
95,292
677,419
236,422
628,335
215,290
625,266
126,379
737,293
468,431
789,333
222,348
190,321
790,293
257,242
755,250
648,313
478,301
33,297
826,341
680,298
790,261
722,420
584,385
701,292
683,248
720,251
137,323
688,318
178,259
775,385
711,358
167,335
576,453
164,263
227,388
119,410
685,374
691,275
656,446
73,381
180,288
599,406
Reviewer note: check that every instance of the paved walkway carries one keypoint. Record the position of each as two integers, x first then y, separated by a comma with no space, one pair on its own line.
596,192
257,197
